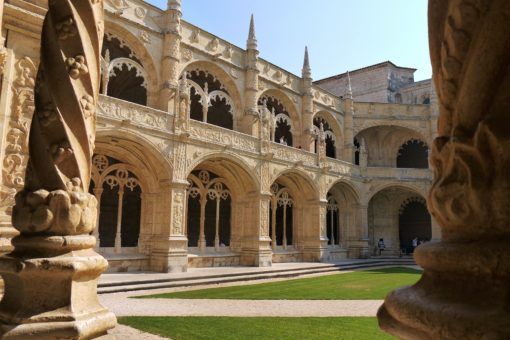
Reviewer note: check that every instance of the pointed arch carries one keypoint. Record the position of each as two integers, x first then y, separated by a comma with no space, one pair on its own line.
226,93
142,54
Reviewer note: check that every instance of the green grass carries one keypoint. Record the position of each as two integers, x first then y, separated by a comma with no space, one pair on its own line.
360,285
181,328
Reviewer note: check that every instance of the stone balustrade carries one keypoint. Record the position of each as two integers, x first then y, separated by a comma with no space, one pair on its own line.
145,116
392,110
399,173
117,109
220,136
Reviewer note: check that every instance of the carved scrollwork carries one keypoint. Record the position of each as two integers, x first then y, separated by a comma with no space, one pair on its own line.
16,149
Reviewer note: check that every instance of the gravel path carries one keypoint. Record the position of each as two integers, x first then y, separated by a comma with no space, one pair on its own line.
125,332
121,305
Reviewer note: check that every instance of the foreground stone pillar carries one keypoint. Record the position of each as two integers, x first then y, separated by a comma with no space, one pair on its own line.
51,276
464,290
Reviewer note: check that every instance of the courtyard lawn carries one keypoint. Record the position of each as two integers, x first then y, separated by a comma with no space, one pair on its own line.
181,328
360,285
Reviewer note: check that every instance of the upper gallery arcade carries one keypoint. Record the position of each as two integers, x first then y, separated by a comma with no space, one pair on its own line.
208,155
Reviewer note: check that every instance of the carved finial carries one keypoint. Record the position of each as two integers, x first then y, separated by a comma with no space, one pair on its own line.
348,92
174,5
306,71
251,43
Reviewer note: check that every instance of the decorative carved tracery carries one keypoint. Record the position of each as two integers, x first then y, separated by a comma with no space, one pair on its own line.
281,198
210,100
114,174
282,126
207,186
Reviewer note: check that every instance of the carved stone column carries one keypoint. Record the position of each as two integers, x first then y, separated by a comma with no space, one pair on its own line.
464,290
51,276
170,252
256,249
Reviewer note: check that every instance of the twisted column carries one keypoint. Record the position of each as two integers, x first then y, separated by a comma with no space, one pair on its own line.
464,290
51,276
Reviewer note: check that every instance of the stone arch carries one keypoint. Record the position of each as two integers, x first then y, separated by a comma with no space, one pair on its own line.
342,216
240,203
413,154
384,217
291,109
334,131
303,182
232,159
382,142
421,133
135,149
404,186
143,159
348,187
226,80
141,53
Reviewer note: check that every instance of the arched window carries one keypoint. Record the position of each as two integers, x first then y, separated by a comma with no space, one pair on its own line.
413,154
118,193
210,100
356,151
280,212
123,75
329,134
282,127
209,210
414,222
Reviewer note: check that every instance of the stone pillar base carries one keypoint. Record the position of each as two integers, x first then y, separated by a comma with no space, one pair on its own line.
257,257
359,249
170,256
453,299
51,290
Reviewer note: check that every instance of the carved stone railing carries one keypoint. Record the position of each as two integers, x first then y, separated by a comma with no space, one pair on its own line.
399,173
391,110
118,109
220,136
293,155
340,167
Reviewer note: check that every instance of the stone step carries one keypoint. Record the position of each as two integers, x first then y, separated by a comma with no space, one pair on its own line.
132,285
248,271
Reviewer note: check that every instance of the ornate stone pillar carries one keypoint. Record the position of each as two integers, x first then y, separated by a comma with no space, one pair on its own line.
348,154
171,57
464,289
118,229
315,242
308,137
97,194
256,249
251,84
51,276
170,252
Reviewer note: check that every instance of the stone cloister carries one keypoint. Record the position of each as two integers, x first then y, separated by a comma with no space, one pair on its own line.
208,155
255,153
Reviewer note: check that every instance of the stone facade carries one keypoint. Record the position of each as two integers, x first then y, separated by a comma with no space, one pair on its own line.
208,155
381,83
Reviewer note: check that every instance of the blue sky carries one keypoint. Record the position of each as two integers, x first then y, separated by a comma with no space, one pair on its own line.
341,34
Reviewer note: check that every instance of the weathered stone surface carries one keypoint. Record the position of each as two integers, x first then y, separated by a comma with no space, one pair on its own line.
51,276
463,293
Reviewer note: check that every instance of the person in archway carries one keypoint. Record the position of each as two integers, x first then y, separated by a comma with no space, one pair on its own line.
415,243
381,246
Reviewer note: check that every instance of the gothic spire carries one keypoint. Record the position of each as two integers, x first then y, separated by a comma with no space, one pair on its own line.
306,71
348,92
251,43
